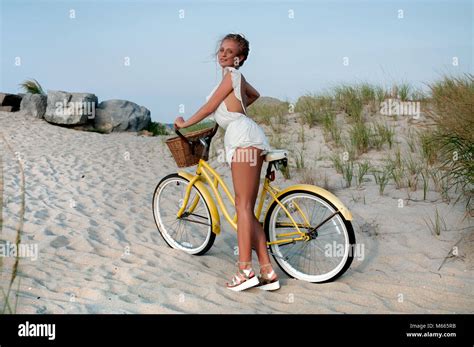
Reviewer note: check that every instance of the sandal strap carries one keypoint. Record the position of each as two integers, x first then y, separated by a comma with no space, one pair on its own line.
266,275
235,281
246,272
243,263
241,276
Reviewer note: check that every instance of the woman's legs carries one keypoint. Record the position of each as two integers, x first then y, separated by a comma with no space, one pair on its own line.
246,168
259,242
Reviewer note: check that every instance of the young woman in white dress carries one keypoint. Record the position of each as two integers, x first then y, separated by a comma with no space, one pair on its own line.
245,145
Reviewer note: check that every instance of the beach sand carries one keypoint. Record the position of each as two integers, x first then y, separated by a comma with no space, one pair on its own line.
88,209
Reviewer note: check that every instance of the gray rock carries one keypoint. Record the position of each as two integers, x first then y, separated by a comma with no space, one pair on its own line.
70,108
6,108
12,100
34,104
121,115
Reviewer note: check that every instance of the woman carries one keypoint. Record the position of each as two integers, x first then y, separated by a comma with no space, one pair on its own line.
245,145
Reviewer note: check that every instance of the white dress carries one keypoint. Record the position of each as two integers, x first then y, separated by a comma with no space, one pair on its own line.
240,130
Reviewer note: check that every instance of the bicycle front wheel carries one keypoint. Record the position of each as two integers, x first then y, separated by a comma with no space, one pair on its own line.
192,233
327,251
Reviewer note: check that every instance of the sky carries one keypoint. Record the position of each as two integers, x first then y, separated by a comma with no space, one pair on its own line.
160,54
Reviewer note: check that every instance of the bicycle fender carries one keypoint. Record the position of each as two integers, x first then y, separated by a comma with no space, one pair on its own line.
324,193
216,222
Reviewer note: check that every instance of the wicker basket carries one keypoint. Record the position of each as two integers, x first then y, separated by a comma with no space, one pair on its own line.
182,150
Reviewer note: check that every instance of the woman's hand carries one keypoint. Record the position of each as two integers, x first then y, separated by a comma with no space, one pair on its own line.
179,123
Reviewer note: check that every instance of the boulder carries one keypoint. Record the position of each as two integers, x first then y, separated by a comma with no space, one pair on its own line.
121,115
11,100
66,108
34,105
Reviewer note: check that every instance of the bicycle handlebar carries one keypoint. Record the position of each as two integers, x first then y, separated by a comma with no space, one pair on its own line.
214,130
191,143
183,137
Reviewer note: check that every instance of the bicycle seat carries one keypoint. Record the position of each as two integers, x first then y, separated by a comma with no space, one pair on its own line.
276,154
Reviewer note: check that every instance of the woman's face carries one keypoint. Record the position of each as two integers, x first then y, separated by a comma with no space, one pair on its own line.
227,55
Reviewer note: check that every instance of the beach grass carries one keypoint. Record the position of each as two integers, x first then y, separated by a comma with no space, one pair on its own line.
157,128
382,177
269,113
452,98
313,108
32,86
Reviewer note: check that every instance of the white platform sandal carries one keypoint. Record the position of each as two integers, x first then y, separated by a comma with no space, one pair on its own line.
243,279
268,281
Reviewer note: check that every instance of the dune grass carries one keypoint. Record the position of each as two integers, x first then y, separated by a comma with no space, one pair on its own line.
348,99
383,134
452,98
314,108
429,146
437,224
337,162
360,134
397,170
32,86
348,172
332,130
382,177
299,156
362,170
370,135
269,114
442,154
157,128
404,91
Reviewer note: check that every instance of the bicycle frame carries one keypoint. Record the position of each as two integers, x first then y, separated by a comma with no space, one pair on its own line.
205,174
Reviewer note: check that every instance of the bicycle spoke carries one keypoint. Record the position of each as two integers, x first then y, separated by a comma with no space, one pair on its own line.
191,230
180,230
195,221
309,258
197,215
288,258
303,253
331,233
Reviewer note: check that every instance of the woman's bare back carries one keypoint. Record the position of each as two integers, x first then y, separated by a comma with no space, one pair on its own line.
232,103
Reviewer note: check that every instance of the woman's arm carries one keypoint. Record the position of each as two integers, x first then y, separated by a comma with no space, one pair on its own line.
224,89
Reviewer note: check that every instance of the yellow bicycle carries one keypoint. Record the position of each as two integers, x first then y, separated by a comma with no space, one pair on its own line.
308,229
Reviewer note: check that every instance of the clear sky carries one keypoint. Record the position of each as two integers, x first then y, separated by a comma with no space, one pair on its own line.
296,47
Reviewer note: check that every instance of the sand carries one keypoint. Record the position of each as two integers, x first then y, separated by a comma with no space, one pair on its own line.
88,209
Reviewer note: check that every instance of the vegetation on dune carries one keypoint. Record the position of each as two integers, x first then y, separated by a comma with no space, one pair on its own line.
32,86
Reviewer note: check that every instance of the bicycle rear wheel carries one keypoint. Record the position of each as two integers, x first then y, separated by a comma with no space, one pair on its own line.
329,251
192,232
